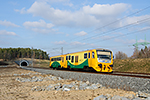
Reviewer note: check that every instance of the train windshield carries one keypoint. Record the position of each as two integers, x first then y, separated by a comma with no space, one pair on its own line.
103,56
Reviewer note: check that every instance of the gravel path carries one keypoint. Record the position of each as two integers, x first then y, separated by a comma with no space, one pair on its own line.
110,81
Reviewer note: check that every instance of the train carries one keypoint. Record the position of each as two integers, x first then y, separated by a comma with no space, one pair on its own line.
99,60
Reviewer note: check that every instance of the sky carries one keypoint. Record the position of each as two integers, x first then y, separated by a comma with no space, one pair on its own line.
74,25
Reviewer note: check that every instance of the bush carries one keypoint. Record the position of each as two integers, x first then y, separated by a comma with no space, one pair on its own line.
120,55
143,53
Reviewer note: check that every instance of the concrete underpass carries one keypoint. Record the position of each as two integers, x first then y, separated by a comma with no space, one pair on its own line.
23,62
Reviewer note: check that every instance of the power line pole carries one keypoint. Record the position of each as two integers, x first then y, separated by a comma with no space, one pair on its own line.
62,50
145,43
39,58
32,56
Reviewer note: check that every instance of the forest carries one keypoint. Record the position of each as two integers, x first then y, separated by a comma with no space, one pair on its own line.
14,53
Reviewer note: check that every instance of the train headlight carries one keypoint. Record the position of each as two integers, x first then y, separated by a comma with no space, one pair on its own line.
100,65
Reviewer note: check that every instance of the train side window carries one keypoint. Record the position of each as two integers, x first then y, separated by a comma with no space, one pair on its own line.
76,59
72,59
69,57
89,54
93,55
59,58
52,59
85,55
66,57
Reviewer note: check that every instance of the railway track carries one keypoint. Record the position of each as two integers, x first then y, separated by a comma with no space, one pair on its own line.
116,73
132,74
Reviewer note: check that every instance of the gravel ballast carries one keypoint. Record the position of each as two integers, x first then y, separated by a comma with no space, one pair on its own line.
109,81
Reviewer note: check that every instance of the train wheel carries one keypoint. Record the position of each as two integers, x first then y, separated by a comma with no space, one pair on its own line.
69,68
86,68
50,67
59,67
53,68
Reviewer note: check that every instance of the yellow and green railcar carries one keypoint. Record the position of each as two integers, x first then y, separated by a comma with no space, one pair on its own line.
101,60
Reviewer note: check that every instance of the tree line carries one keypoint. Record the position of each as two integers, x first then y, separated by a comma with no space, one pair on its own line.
13,53
143,53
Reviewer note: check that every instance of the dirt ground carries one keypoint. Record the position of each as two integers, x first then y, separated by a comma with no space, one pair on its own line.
10,89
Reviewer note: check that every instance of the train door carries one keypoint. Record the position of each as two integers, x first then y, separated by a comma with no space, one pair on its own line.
64,61
76,60
89,58
93,59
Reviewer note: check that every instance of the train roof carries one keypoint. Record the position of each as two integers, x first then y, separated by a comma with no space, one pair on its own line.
103,49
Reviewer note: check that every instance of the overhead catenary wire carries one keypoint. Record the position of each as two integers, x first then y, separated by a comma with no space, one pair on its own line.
108,25
114,21
126,26
116,36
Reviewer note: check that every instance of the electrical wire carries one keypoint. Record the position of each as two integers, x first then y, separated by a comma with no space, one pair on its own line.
126,26
107,26
115,37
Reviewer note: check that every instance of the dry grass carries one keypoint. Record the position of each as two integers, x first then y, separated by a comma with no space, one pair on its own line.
41,63
36,62
125,65
132,65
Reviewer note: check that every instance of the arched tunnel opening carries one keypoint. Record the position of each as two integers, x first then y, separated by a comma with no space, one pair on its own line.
24,64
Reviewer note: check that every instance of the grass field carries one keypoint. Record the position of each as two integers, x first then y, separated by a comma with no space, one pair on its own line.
125,65
41,63
36,62
132,65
